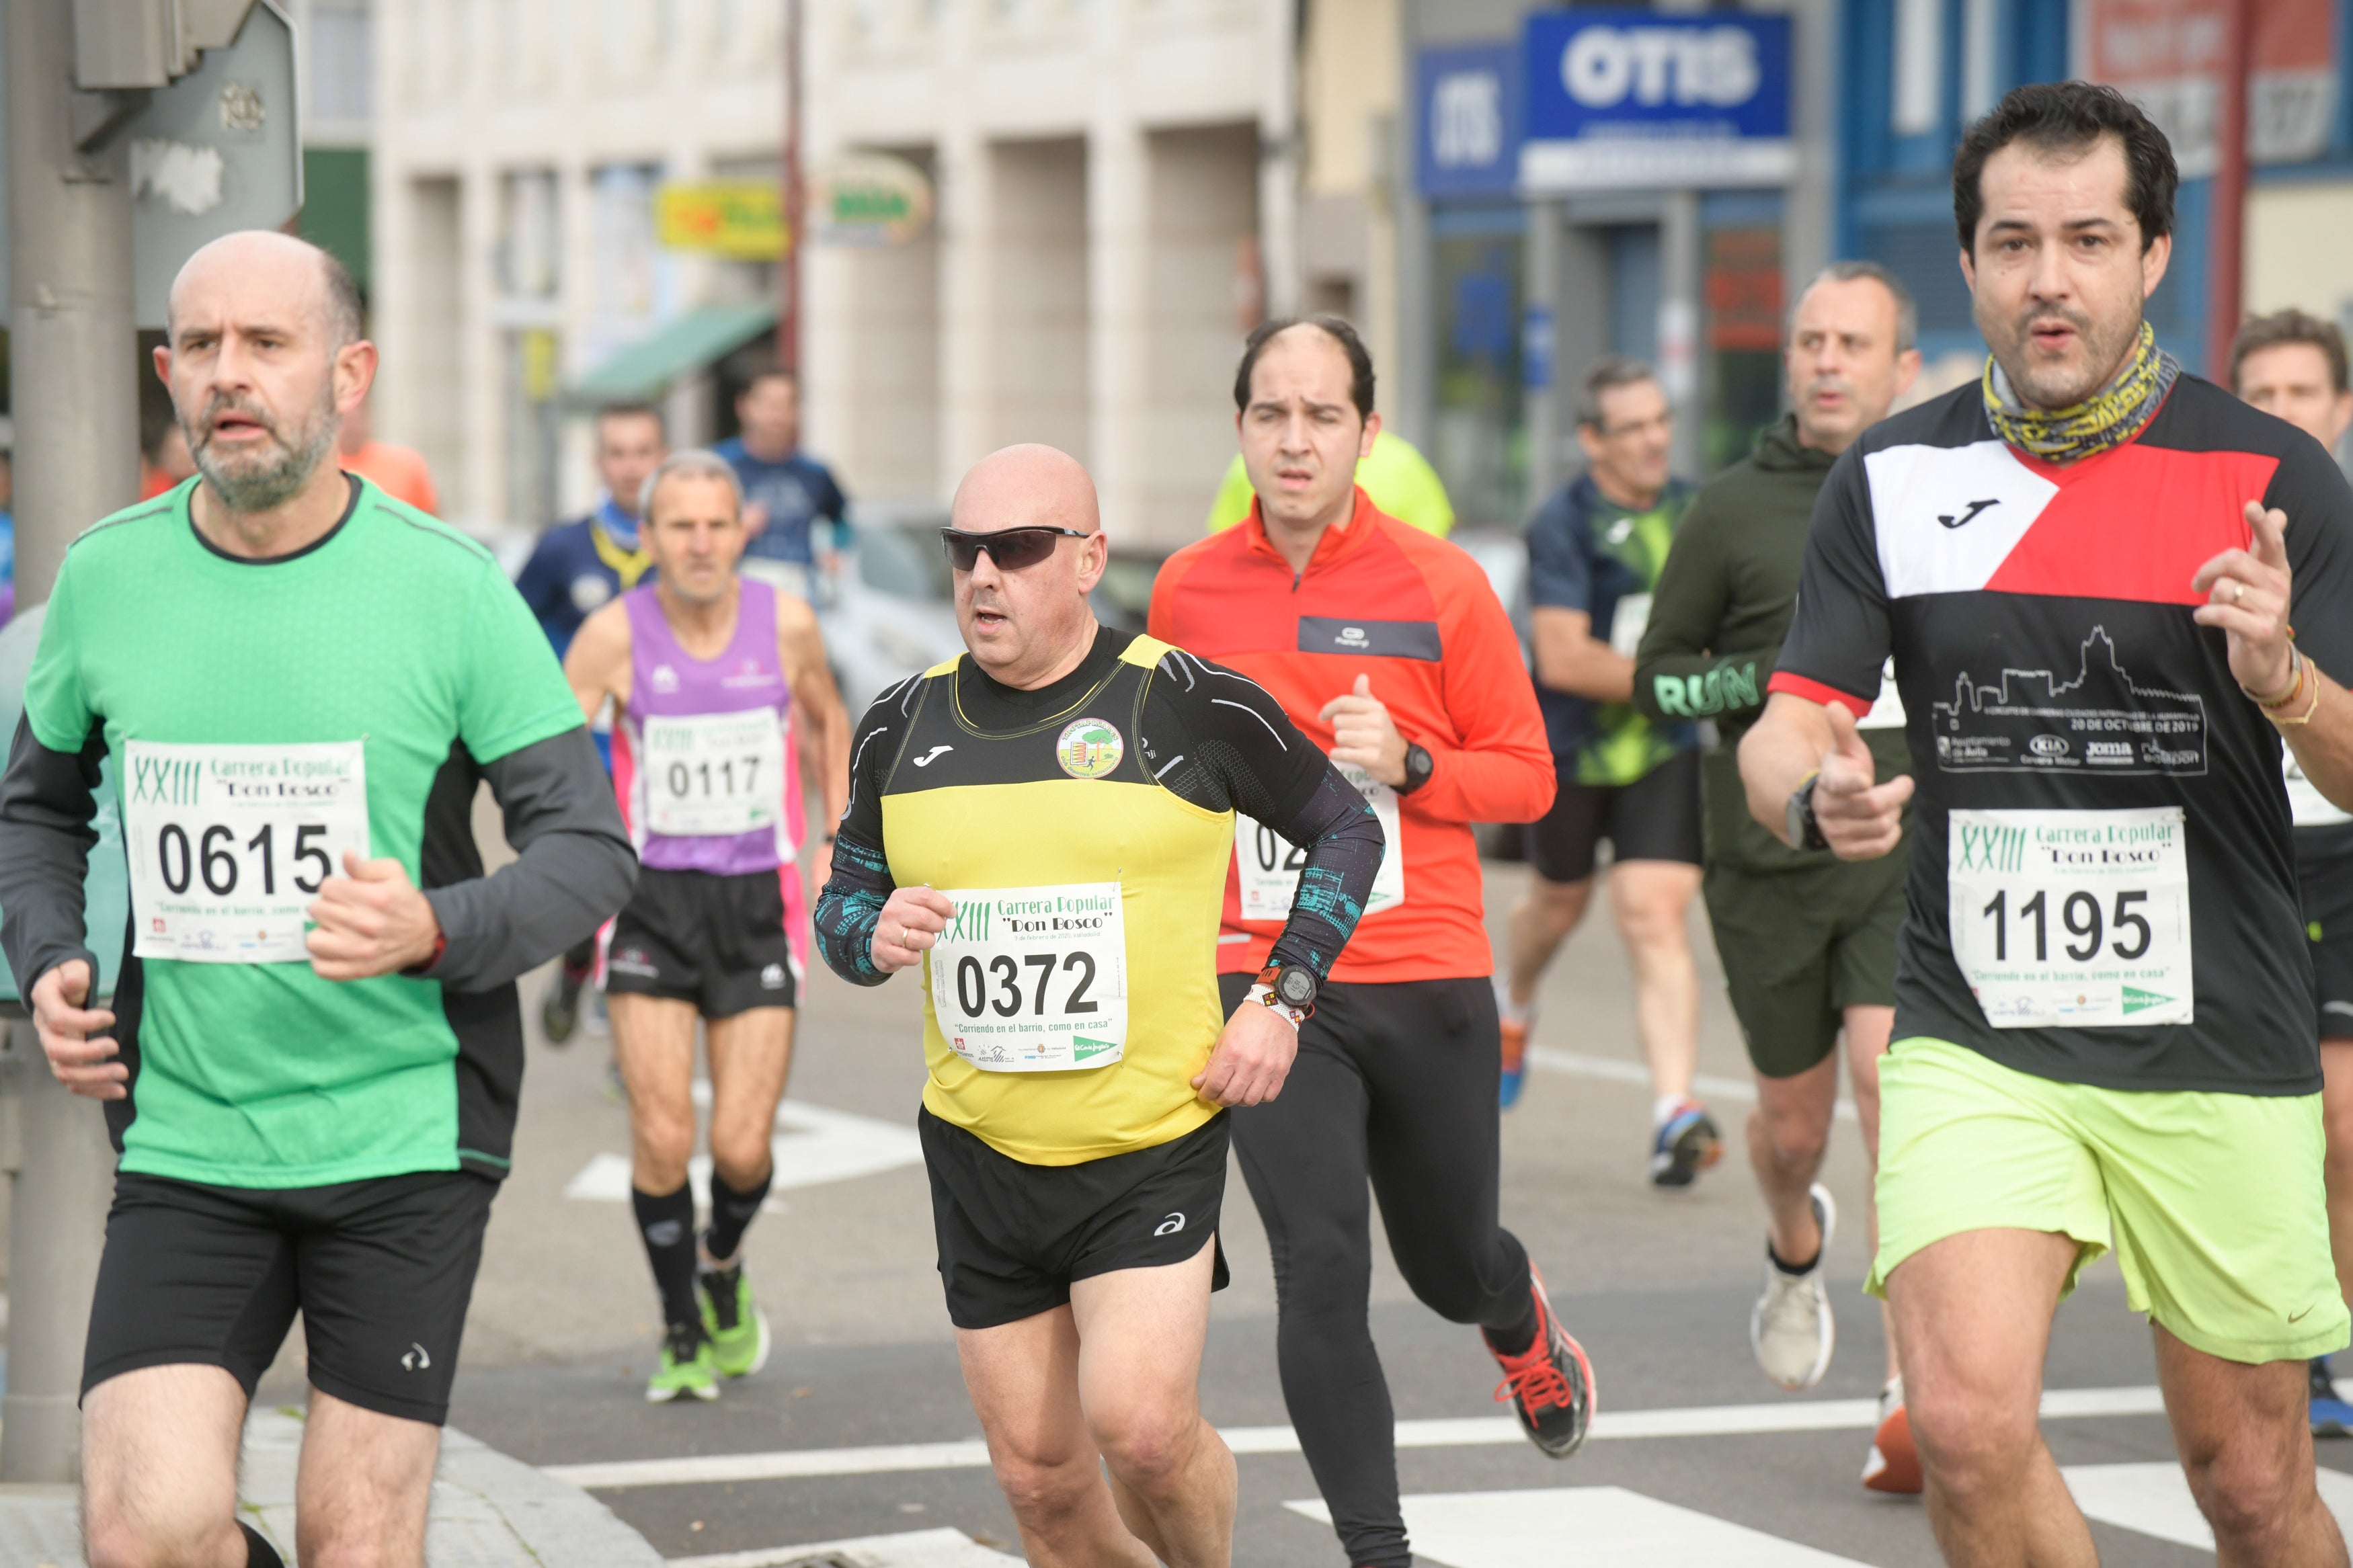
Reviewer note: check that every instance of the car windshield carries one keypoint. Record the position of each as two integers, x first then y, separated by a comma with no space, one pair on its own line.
906,561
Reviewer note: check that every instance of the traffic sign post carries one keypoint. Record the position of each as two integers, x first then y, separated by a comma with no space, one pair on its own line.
137,131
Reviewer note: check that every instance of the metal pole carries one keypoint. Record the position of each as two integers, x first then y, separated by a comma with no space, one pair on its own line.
2224,295
789,266
77,455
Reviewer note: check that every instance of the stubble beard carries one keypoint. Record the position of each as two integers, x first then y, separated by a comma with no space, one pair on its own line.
264,480
2104,347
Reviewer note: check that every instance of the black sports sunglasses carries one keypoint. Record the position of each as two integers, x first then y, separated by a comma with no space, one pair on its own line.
1011,548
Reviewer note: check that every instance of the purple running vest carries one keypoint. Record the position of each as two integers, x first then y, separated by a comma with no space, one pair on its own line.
666,681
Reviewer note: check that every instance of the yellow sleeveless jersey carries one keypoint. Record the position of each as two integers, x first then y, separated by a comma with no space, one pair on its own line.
1074,996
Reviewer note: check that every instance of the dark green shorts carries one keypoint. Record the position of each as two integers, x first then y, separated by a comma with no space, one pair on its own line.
1799,947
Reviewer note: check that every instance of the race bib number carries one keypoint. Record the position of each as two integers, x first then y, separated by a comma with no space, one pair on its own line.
228,845
1033,979
2078,919
1627,624
1270,864
714,774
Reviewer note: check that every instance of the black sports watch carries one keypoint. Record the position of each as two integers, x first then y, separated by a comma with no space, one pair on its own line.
1418,765
1805,829
1293,985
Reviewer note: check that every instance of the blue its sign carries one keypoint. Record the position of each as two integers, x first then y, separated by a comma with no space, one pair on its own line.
1619,99
1467,121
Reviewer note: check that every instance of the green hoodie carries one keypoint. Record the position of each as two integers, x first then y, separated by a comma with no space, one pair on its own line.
1717,617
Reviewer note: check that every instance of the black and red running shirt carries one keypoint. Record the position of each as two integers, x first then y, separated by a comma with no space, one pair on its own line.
2032,609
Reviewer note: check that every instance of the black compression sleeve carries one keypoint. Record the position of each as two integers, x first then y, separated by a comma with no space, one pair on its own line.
47,801
1344,843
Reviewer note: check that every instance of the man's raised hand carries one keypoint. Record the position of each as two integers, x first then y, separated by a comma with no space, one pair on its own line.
1861,820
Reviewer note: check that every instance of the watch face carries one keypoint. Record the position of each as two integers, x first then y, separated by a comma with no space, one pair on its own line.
1295,988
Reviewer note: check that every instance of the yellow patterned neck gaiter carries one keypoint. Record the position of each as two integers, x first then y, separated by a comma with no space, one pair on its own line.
2109,417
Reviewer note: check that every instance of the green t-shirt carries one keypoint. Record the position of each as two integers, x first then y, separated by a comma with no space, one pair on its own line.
395,632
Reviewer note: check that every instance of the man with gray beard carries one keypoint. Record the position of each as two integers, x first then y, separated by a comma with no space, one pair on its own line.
312,1059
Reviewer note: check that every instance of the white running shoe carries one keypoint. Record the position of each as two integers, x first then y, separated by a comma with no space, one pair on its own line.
1791,1328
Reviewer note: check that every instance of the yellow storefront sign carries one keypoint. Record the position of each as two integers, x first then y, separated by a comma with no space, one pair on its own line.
740,218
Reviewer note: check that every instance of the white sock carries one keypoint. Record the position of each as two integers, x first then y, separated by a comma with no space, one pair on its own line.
1512,1012
1664,1108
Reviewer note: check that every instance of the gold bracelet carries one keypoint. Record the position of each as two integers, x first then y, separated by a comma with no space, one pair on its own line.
2310,708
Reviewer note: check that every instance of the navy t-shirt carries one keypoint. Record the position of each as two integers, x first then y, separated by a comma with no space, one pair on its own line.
794,493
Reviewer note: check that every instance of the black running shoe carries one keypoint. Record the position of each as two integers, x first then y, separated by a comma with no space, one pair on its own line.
1551,1385
559,1010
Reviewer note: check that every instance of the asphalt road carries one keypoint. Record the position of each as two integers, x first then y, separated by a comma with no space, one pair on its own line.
1656,1285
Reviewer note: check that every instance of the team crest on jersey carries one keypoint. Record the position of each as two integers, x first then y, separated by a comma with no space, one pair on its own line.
1089,748
665,679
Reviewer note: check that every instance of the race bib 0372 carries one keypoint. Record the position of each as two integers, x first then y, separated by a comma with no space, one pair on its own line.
2078,919
1033,979
229,844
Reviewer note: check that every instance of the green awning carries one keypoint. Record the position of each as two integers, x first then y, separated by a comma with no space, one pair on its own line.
694,340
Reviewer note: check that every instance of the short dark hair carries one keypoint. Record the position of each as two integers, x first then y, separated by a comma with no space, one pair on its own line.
633,408
769,369
1607,374
2282,328
2069,116
1336,328
1907,310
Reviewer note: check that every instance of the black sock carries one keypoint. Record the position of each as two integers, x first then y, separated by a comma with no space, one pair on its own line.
1516,1337
667,1223
731,1214
259,1553
1808,1266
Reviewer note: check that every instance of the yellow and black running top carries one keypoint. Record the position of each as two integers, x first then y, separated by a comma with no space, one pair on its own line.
1085,832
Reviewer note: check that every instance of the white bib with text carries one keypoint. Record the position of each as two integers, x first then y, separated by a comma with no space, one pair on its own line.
1270,864
2078,919
229,844
712,775
1033,979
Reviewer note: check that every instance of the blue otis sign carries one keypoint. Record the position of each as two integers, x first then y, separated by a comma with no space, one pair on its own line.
1623,99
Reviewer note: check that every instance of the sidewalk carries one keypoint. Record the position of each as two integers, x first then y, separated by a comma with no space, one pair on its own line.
489,1510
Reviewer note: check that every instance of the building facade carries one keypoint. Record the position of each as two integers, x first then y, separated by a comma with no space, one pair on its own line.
518,148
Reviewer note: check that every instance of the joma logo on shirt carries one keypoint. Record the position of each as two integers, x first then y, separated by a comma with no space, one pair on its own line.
1989,848
163,780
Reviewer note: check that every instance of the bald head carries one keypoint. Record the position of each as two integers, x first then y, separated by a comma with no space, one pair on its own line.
260,262
1026,486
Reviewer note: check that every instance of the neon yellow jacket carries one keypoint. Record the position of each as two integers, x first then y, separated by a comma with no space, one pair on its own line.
1398,479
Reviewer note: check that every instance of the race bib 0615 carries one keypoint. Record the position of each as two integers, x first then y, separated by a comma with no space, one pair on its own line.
2078,919
1269,864
710,776
1033,979
229,844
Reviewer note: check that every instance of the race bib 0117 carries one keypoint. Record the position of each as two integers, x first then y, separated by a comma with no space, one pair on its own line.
229,844
1033,979
1268,864
2075,918
711,775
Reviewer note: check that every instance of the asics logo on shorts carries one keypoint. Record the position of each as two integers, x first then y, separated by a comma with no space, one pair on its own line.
1169,1226
415,1359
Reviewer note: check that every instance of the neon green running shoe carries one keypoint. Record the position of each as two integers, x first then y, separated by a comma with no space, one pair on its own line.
738,1329
688,1368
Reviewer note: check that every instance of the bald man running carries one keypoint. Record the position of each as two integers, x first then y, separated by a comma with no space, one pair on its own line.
312,1061
1044,825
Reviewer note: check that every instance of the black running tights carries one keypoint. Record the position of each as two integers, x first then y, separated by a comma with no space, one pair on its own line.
1395,1083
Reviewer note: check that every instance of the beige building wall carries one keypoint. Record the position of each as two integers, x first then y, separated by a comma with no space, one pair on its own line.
1349,75
1104,227
471,93
2297,238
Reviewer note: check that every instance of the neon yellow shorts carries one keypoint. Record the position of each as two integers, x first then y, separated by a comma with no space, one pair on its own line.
2214,1202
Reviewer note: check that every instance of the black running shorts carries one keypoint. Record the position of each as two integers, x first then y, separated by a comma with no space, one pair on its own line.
2323,869
715,942
1656,817
381,1271
1799,947
1012,1236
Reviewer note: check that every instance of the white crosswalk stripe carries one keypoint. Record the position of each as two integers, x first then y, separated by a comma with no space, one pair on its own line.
912,1549
1610,1527
2153,1499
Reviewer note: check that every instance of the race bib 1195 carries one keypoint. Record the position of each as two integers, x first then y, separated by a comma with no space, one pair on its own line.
2078,919
1033,979
229,844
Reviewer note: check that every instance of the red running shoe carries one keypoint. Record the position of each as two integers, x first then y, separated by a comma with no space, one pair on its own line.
1550,1386
1893,1463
